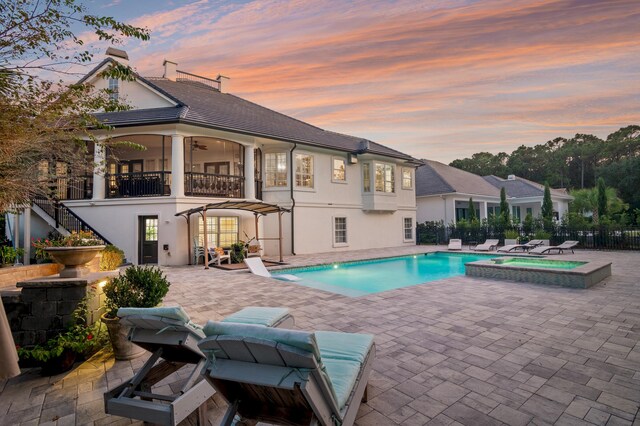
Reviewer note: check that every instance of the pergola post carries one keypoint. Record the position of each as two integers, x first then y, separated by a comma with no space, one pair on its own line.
280,235
205,237
255,215
187,218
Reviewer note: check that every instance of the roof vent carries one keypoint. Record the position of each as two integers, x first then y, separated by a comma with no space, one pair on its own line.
170,70
118,54
511,177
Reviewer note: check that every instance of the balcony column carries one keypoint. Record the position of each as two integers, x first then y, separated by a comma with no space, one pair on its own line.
483,210
26,237
177,166
249,173
99,171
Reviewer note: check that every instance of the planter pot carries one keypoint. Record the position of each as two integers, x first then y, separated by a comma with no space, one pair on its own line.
74,259
508,241
123,349
59,364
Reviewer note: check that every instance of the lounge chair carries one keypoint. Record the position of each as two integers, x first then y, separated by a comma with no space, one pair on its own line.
288,377
256,267
520,247
217,258
567,245
487,246
170,335
253,250
455,244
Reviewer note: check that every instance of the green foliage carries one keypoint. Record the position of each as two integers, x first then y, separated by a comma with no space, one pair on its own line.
112,257
237,252
527,224
547,207
8,254
472,211
511,234
541,235
504,207
602,199
138,287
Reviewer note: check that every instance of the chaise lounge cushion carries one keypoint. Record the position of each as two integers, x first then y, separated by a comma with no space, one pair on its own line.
258,316
168,312
342,375
344,346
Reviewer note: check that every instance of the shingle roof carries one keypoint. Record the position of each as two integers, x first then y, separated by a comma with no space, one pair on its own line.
433,178
523,188
204,106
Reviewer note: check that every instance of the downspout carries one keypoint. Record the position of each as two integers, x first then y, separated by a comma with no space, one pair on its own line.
293,202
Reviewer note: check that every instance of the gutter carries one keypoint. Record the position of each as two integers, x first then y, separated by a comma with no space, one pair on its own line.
293,201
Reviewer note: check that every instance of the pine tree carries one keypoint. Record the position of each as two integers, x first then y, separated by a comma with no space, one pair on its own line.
547,207
504,207
472,211
602,199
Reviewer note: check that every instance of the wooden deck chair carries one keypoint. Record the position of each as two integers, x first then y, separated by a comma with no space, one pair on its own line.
171,337
567,245
487,245
288,377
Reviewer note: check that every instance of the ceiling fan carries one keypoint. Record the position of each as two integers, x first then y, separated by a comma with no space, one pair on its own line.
197,145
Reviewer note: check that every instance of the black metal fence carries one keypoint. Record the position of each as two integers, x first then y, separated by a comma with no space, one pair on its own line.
214,185
138,184
599,237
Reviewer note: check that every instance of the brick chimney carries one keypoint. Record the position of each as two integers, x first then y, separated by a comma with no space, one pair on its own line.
170,70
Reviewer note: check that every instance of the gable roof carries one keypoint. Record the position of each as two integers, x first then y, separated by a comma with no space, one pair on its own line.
201,105
523,188
434,178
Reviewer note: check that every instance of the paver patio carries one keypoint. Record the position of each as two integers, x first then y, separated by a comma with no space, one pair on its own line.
456,351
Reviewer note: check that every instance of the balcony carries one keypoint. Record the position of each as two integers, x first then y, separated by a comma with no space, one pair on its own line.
213,185
138,184
73,188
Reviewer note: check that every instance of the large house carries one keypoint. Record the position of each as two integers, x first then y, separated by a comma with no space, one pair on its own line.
205,146
443,193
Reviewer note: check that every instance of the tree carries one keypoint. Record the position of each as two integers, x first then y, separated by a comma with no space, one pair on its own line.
504,207
547,207
585,202
42,119
472,211
602,199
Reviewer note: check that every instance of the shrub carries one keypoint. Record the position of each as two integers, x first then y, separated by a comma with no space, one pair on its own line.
8,254
139,287
112,257
511,234
541,235
237,252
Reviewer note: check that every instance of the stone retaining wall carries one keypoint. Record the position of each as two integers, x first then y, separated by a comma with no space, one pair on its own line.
14,274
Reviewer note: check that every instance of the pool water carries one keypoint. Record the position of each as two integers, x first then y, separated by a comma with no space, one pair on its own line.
374,276
541,263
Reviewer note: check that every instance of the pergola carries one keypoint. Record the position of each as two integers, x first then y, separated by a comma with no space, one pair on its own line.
258,209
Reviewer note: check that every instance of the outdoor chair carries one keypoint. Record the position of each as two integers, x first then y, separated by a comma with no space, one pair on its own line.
520,247
218,255
487,246
288,377
253,250
198,252
256,267
455,244
567,245
170,335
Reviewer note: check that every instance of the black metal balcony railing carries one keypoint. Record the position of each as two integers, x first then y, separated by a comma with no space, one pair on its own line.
73,188
213,185
140,184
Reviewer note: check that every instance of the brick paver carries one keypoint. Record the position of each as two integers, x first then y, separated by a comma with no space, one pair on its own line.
456,351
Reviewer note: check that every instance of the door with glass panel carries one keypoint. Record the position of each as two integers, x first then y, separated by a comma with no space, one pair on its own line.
148,240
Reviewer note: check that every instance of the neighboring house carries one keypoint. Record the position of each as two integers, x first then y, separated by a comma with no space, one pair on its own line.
525,197
443,192
205,146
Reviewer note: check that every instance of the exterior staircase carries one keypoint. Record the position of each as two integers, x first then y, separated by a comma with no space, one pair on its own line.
62,219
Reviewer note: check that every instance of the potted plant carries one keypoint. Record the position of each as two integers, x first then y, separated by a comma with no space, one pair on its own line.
111,259
59,353
511,237
8,255
73,251
138,287
237,252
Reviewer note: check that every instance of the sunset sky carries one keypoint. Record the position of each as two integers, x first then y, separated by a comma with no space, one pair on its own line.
435,79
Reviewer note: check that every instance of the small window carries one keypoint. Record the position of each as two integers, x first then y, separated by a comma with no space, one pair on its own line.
529,211
407,178
516,212
385,178
340,230
408,229
304,170
339,166
114,89
275,169
366,177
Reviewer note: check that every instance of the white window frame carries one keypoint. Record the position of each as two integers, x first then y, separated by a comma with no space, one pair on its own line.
275,179
402,171
367,175
114,86
333,170
404,229
346,231
312,174
392,167
215,240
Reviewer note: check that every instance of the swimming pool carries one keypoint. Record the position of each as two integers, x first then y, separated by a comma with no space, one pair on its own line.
540,263
373,276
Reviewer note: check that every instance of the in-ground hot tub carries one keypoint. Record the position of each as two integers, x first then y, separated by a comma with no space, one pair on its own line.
573,274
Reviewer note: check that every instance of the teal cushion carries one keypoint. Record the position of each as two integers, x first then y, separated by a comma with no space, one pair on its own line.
258,316
345,346
343,375
168,312
298,339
